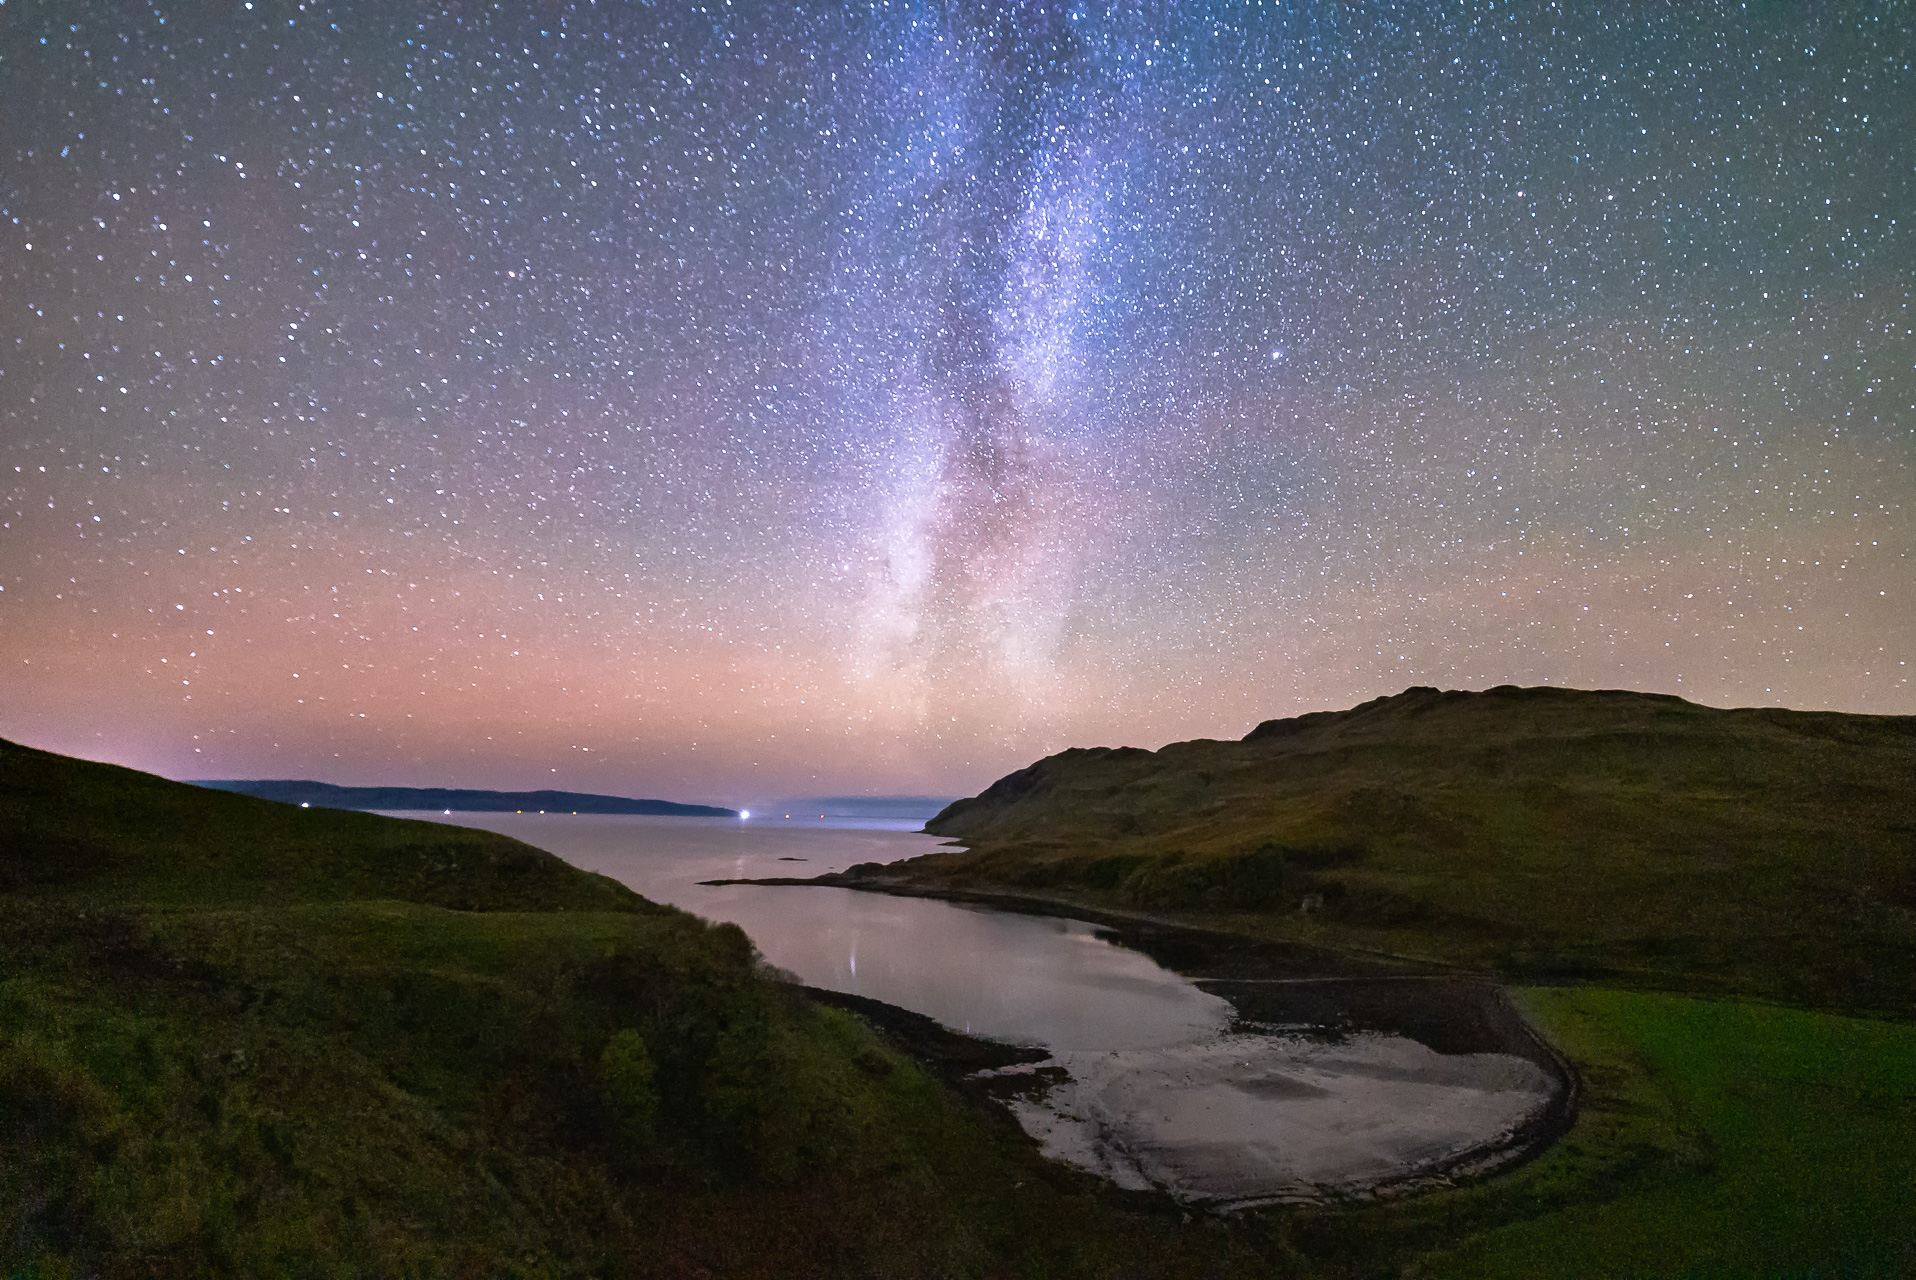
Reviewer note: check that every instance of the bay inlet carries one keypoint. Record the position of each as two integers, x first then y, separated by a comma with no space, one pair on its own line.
1222,1078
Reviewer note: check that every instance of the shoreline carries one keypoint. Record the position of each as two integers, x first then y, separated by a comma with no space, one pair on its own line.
1183,948
953,1056
1274,989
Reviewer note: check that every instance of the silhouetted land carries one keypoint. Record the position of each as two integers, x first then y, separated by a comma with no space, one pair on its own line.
1539,833
919,807
457,800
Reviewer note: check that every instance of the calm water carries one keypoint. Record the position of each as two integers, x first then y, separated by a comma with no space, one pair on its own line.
1163,1087
1024,979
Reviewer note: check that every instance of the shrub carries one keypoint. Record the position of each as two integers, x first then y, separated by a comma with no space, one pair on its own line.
1251,881
631,1089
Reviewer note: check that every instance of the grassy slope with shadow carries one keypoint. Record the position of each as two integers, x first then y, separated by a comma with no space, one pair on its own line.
1542,833
241,1038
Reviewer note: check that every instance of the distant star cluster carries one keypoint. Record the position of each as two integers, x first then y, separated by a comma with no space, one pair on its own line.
725,401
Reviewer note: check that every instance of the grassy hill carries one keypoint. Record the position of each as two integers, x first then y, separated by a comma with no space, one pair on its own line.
1545,833
242,1038
85,830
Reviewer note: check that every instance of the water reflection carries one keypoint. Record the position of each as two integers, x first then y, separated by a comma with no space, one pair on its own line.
1024,979
1163,1084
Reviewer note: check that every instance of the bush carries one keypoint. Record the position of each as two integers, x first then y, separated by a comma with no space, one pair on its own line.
631,1089
1254,881
1111,871
775,1095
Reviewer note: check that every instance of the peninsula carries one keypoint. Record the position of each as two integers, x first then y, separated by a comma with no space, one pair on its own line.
1710,913
1542,834
324,795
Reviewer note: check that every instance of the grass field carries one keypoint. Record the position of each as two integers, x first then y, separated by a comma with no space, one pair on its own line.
1806,1159
390,1089
1714,1139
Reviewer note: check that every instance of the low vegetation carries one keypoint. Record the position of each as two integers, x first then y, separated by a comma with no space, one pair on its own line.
1539,833
1769,1142
1714,1138
241,1038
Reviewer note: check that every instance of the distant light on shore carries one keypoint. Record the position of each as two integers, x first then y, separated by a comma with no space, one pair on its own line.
743,814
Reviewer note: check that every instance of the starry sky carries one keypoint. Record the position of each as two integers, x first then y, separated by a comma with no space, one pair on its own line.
722,401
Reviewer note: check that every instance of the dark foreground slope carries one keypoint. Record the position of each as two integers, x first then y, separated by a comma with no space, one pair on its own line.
1542,832
454,799
243,1038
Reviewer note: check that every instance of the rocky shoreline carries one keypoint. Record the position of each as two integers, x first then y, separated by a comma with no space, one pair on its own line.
951,1055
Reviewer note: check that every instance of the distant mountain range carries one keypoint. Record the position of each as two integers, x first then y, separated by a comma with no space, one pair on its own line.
325,795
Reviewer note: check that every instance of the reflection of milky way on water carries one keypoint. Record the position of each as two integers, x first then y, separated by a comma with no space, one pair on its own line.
1166,1089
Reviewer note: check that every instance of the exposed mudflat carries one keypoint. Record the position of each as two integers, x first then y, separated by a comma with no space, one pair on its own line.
1338,1076
1258,1118
1214,1068
1367,1080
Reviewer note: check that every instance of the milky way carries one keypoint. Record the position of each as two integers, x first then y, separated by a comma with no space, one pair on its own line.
723,402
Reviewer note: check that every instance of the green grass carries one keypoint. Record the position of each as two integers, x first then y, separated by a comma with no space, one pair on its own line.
104,833
1808,1129
1544,834
239,1038
244,1039
398,1089
1714,1138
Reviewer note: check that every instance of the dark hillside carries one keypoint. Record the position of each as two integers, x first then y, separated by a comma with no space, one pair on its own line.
1543,831
239,1038
92,828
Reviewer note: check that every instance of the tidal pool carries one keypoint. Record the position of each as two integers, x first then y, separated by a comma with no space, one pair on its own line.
1226,1079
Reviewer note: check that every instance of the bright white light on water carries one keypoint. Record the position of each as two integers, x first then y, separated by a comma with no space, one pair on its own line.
743,814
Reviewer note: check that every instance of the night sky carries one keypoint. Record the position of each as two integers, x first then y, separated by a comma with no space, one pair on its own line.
724,402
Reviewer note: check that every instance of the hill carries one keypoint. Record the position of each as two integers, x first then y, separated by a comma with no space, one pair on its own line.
239,1038
242,1038
1544,833
456,800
